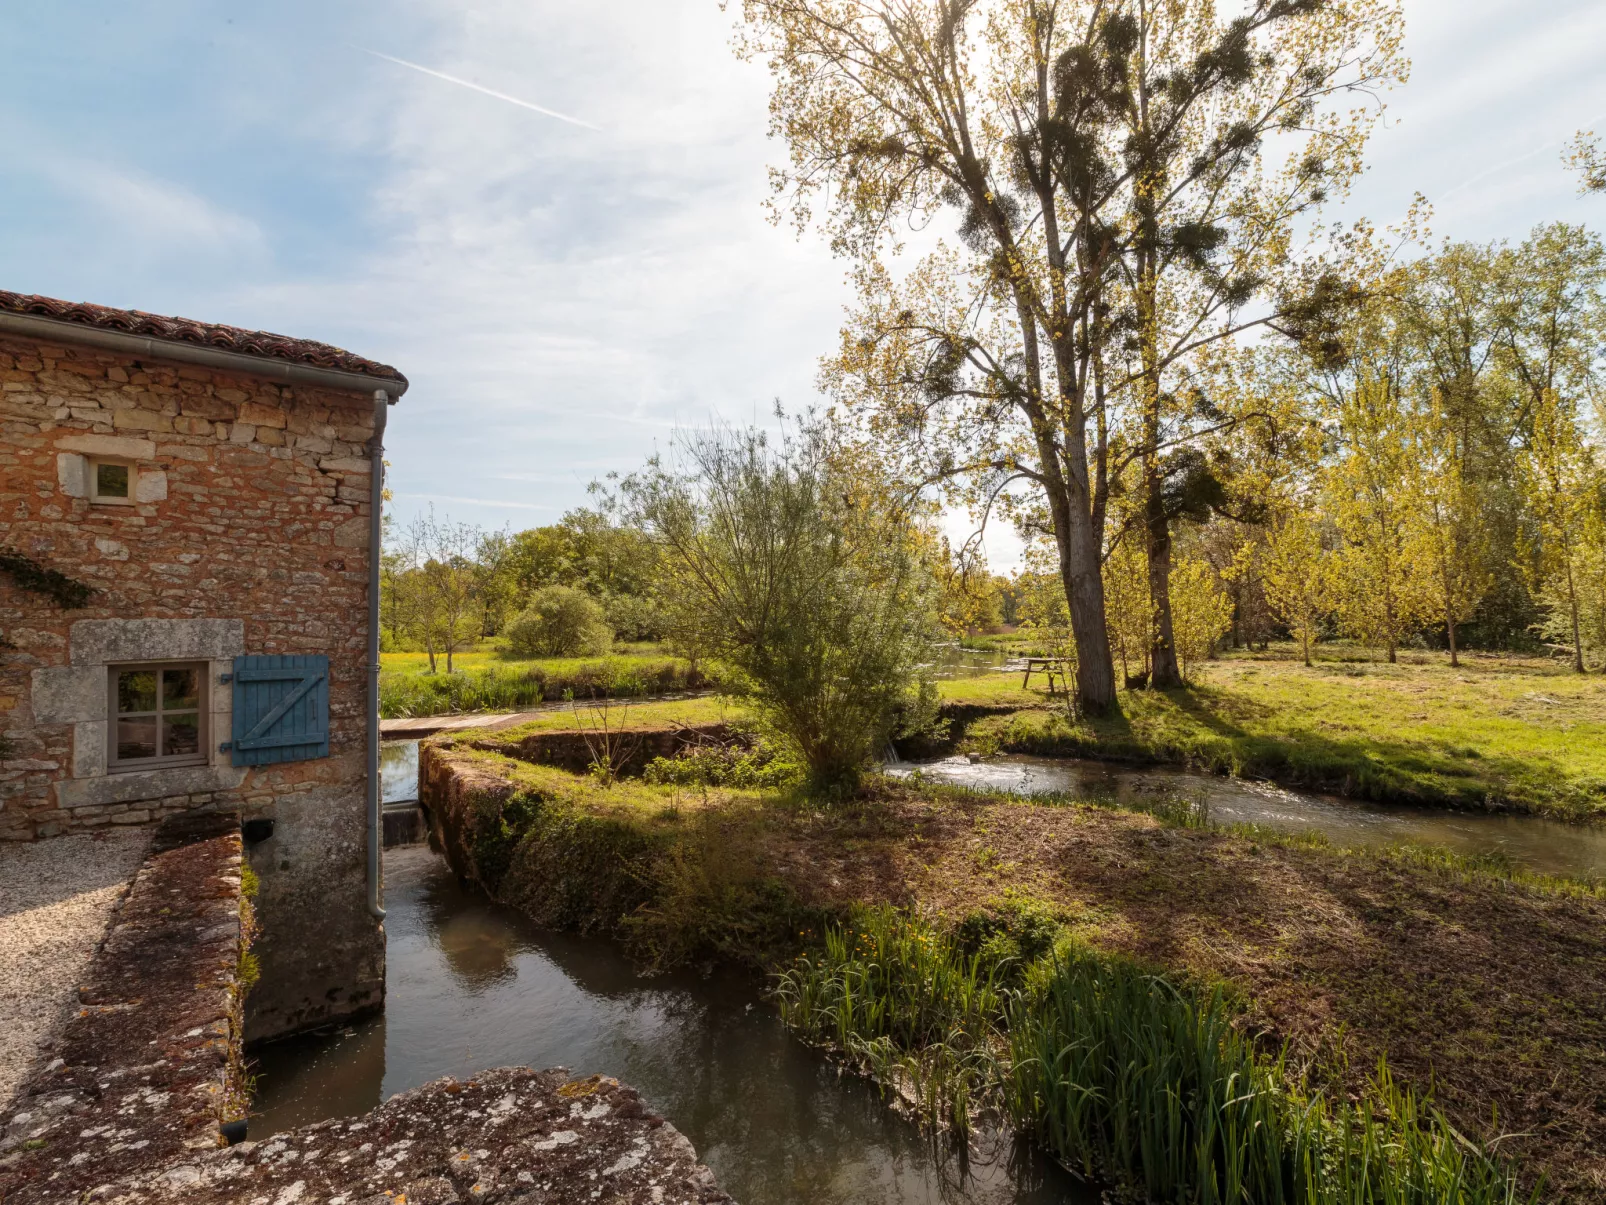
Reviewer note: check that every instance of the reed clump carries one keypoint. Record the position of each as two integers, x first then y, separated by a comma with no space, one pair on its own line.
1120,1073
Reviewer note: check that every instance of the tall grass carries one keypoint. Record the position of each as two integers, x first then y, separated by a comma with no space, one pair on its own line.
1119,1073
892,995
509,688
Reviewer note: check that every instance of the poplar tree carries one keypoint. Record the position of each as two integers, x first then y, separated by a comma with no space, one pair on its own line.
1203,611
1559,479
1381,587
1294,567
1454,540
1114,212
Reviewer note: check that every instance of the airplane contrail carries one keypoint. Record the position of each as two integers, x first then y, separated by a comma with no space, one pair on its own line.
452,79
1500,167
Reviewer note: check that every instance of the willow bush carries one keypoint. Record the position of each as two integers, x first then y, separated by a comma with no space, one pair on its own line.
788,562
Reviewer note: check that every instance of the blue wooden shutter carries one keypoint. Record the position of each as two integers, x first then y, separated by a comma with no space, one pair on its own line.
281,709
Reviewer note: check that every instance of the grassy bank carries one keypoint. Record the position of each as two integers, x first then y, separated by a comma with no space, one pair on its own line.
1511,732
1489,989
486,681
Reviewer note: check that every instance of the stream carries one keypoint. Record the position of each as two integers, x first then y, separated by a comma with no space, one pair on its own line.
1532,842
473,985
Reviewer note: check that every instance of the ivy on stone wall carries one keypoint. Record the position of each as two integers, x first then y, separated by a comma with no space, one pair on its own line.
36,578
30,575
41,579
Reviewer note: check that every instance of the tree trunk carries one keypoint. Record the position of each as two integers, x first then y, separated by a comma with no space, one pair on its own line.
1449,620
1084,594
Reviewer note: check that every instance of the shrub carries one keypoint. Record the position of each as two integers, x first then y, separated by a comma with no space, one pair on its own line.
800,573
560,621
726,766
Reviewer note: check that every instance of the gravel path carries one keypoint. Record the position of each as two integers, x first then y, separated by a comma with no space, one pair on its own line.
56,900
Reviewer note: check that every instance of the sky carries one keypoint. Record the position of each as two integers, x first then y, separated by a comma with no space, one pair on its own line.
563,245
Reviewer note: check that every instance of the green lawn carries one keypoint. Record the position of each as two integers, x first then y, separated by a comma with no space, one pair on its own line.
486,680
1518,732
1515,732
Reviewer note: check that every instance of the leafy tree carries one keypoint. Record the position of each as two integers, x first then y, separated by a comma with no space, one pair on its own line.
1454,541
1131,615
1203,611
1560,479
796,573
1380,581
438,586
1294,568
1584,156
560,621
494,582
1115,214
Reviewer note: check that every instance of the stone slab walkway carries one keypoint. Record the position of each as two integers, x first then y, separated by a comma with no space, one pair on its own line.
57,898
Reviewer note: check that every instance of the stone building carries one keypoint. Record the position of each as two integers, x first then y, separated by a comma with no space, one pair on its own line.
214,489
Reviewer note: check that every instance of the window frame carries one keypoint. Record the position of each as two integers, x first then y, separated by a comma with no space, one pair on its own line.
202,711
99,499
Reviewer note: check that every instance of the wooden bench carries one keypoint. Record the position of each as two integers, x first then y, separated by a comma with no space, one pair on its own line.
1051,668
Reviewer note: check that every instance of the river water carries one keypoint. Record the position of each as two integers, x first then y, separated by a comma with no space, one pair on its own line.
472,985
1545,846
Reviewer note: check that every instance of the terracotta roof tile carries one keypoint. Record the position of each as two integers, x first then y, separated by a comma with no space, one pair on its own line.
206,334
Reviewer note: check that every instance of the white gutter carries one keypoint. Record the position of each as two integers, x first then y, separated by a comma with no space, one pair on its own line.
376,804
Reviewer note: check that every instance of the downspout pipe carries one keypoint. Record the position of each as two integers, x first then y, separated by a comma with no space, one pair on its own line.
376,804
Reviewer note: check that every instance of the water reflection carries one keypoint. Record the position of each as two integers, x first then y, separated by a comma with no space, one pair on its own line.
398,771
953,661
1546,846
473,986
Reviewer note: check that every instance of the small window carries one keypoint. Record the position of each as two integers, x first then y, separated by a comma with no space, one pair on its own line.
158,716
111,481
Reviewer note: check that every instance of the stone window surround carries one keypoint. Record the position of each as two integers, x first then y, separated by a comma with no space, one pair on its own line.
78,694
76,456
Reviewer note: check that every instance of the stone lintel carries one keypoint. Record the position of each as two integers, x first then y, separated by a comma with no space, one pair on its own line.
105,641
120,446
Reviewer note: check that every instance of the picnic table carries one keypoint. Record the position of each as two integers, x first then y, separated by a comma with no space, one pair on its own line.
1051,668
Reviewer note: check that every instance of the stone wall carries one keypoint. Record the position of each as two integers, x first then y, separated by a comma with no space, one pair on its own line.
246,532
149,1065
574,751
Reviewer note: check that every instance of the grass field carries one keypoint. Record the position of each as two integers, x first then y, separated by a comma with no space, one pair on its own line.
486,680
1518,733
1509,731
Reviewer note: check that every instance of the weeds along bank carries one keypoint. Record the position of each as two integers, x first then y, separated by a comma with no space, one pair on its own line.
1271,977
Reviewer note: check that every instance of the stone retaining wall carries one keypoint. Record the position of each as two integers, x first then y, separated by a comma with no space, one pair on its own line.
148,1068
570,750
509,1135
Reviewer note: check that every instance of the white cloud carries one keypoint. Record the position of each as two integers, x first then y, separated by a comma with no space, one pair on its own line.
152,212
